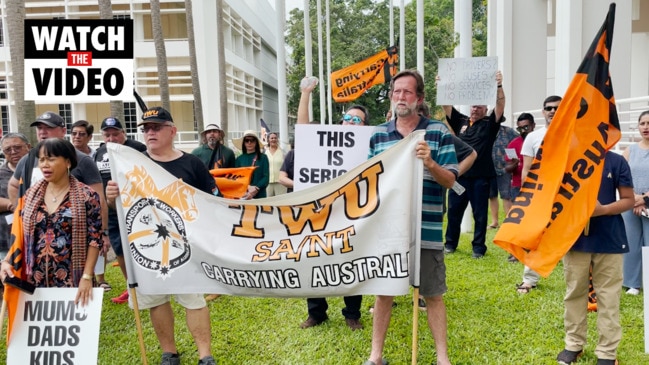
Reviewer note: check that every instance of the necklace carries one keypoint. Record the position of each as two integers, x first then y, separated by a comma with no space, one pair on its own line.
56,196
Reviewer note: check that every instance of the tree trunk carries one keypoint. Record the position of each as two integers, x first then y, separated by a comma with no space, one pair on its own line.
161,54
106,12
25,110
196,89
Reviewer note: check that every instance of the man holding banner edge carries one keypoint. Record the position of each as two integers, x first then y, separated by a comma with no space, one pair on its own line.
441,169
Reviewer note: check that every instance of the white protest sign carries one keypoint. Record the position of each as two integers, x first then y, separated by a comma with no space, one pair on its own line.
467,81
324,152
50,329
88,60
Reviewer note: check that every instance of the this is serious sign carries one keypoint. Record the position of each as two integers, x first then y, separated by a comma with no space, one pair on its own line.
87,60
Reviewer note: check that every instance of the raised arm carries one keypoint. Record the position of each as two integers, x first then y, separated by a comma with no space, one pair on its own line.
499,110
306,87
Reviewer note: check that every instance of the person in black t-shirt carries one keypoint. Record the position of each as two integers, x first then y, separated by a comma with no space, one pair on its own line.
479,130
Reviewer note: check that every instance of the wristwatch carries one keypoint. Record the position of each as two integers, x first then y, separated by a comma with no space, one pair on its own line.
646,200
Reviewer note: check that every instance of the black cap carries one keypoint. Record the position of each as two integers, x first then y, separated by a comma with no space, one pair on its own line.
156,114
111,122
50,119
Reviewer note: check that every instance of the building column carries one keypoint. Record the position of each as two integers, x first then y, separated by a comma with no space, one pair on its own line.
206,59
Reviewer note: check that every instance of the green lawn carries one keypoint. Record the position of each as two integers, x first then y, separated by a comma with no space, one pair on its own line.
489,323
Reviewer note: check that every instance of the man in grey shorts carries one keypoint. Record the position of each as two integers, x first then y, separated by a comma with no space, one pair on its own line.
440,171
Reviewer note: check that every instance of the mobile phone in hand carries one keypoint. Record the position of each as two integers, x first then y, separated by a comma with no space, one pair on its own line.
20,284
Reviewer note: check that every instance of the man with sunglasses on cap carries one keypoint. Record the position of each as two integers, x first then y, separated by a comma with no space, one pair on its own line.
356,115
113,132
531,145
212,151
159,131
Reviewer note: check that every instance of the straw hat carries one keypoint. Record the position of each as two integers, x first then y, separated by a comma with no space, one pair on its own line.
238,142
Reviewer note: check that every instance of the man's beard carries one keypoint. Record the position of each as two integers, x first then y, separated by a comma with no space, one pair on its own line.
402,112
212,142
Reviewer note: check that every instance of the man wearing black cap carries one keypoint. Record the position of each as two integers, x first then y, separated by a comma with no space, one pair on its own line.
212,151
113,132
159,131
52,125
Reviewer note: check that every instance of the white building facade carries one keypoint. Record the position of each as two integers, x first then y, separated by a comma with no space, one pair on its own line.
541,43
250,64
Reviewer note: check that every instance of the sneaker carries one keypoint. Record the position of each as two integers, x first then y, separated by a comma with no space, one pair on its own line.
354,324
207,360
512,258
121,299
170,359
311,322
567,357
477,255
449,250
607,362
633,291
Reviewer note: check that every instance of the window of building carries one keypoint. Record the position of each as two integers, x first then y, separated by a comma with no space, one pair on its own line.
4,114
122,16
130,118
65,111
2,38
3,88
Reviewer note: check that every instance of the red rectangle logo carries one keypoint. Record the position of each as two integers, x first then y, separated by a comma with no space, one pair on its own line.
79,59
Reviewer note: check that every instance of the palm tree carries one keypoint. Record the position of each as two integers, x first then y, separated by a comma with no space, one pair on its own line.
106,12
25,109
161,53
196,89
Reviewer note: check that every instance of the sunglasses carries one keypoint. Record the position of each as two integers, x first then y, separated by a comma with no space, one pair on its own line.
524,128
347,118
249,140
154,127
550,108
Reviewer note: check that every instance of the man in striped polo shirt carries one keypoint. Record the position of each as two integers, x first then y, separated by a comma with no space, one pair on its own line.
440,171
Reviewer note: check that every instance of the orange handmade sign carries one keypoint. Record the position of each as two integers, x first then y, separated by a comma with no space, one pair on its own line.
559,193
351,82
233,182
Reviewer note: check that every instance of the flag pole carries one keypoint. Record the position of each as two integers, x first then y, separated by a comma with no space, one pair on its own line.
138,322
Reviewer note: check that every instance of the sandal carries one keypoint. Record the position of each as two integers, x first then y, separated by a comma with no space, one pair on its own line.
492,226
105,286
523,288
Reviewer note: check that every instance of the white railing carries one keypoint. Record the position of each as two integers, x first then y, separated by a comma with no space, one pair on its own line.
628,111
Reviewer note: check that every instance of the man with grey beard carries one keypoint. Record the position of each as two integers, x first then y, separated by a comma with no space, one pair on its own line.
212,151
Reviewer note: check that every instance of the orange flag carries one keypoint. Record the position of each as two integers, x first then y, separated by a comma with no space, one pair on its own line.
16,260
349,83
233,182
560,192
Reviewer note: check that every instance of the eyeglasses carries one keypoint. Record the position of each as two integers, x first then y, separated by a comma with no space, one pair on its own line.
80,134
550,108
154,127
249,140
13,149
524,128
347,118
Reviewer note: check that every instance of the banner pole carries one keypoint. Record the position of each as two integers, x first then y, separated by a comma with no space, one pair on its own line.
418,183
138,323
128,258
415,323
